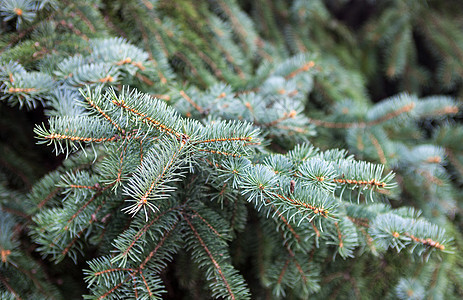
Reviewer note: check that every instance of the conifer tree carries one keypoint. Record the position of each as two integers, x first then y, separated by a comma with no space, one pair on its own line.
215,152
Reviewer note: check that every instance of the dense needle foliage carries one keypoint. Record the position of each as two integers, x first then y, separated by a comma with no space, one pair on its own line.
231,149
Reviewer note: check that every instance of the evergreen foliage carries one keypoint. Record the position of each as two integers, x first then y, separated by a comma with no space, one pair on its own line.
229,149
